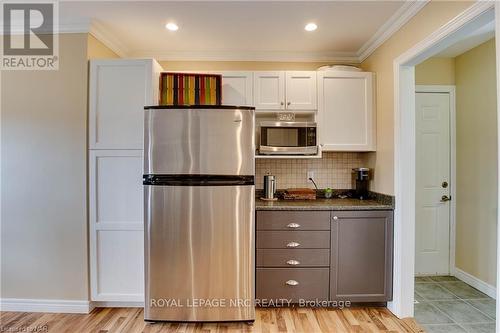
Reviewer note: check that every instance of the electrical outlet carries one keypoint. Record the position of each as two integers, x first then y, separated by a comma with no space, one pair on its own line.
310,175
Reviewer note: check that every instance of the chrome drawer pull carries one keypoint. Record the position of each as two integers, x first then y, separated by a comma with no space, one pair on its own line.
293,262
293,225
291,282
292,244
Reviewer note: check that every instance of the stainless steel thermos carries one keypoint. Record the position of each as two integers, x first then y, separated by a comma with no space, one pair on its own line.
269,186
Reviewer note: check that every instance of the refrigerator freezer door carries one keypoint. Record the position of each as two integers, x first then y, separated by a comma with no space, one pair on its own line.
199,141
199,246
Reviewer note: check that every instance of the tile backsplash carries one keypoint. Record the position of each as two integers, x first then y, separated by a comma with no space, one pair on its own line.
332,170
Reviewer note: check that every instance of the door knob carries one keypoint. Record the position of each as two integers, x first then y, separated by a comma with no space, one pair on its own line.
291,282
445,198
292,244
293,225
293,262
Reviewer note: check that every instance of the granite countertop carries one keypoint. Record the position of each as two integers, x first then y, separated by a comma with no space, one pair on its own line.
323,204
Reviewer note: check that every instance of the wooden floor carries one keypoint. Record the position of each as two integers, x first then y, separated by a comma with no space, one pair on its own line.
130,320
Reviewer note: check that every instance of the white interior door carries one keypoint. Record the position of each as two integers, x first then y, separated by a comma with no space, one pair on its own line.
433,171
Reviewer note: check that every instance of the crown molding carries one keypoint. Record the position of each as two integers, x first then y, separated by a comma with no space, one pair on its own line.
389,28
281,56
112,42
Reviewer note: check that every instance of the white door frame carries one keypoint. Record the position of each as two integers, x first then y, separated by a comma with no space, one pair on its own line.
453,160
472,18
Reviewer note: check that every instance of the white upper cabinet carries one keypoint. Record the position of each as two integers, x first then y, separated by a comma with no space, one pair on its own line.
237,88
293,91
346,111
269,90
301,90
118,91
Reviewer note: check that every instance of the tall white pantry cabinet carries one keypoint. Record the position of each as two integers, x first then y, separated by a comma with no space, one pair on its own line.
118,91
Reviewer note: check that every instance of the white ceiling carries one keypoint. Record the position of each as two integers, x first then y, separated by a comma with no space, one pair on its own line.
241,30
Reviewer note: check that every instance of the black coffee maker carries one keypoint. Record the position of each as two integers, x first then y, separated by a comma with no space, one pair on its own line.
361,177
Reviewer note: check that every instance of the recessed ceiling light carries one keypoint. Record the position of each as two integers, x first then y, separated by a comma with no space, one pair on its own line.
311,27
172,26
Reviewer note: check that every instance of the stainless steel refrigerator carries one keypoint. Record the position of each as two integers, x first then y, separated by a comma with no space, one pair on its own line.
199,213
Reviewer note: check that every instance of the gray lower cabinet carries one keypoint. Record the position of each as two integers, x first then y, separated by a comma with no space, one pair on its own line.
293,220
293,255
292,284
324,255
271,239
361,265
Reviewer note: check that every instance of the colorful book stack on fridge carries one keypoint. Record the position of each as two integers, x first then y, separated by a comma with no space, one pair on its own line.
190,89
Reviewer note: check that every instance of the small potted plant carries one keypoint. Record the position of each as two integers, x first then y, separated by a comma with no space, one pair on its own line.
328,193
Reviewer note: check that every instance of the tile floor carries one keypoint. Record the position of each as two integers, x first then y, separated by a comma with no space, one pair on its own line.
446,304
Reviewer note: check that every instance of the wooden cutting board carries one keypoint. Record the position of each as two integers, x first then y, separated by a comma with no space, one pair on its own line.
299,194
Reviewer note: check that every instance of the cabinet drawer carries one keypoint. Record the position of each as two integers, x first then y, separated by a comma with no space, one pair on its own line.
293,239
293,220
293,258
292,283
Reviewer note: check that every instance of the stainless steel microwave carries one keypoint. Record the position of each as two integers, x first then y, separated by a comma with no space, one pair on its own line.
288,138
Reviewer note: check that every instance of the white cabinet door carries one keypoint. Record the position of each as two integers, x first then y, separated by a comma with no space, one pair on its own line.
237,88
346,111
269,90
301,91
118,91
116,225
119,265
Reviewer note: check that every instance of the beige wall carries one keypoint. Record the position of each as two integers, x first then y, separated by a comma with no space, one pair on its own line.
436,71
429,19
476,121
239,65
97,50
44,178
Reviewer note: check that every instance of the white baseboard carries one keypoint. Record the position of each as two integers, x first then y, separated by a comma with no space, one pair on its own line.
44,305
473,281
116,304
